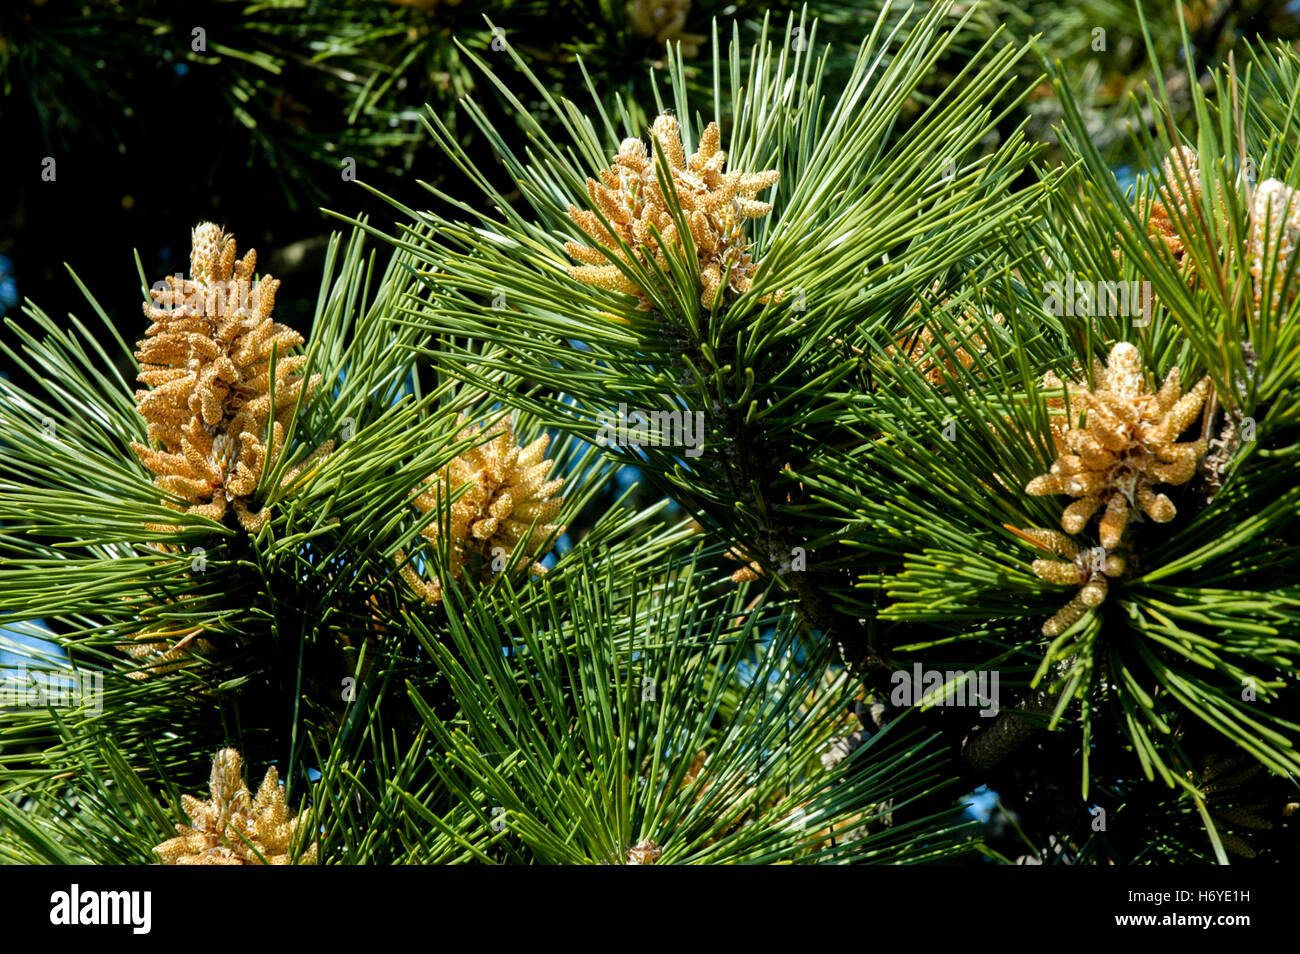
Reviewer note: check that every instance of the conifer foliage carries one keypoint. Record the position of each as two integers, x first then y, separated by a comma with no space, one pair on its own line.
862,335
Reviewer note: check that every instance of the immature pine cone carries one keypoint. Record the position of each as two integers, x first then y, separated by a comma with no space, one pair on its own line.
232,827
714,203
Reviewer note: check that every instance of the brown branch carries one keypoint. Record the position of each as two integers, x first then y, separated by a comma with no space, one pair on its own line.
749,473
985,749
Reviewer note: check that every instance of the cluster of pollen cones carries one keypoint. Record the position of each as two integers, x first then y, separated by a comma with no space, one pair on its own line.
638,224
217,405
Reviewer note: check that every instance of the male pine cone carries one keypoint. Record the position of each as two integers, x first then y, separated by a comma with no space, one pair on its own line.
1128,445
233,827
504,512
713,203
207,361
